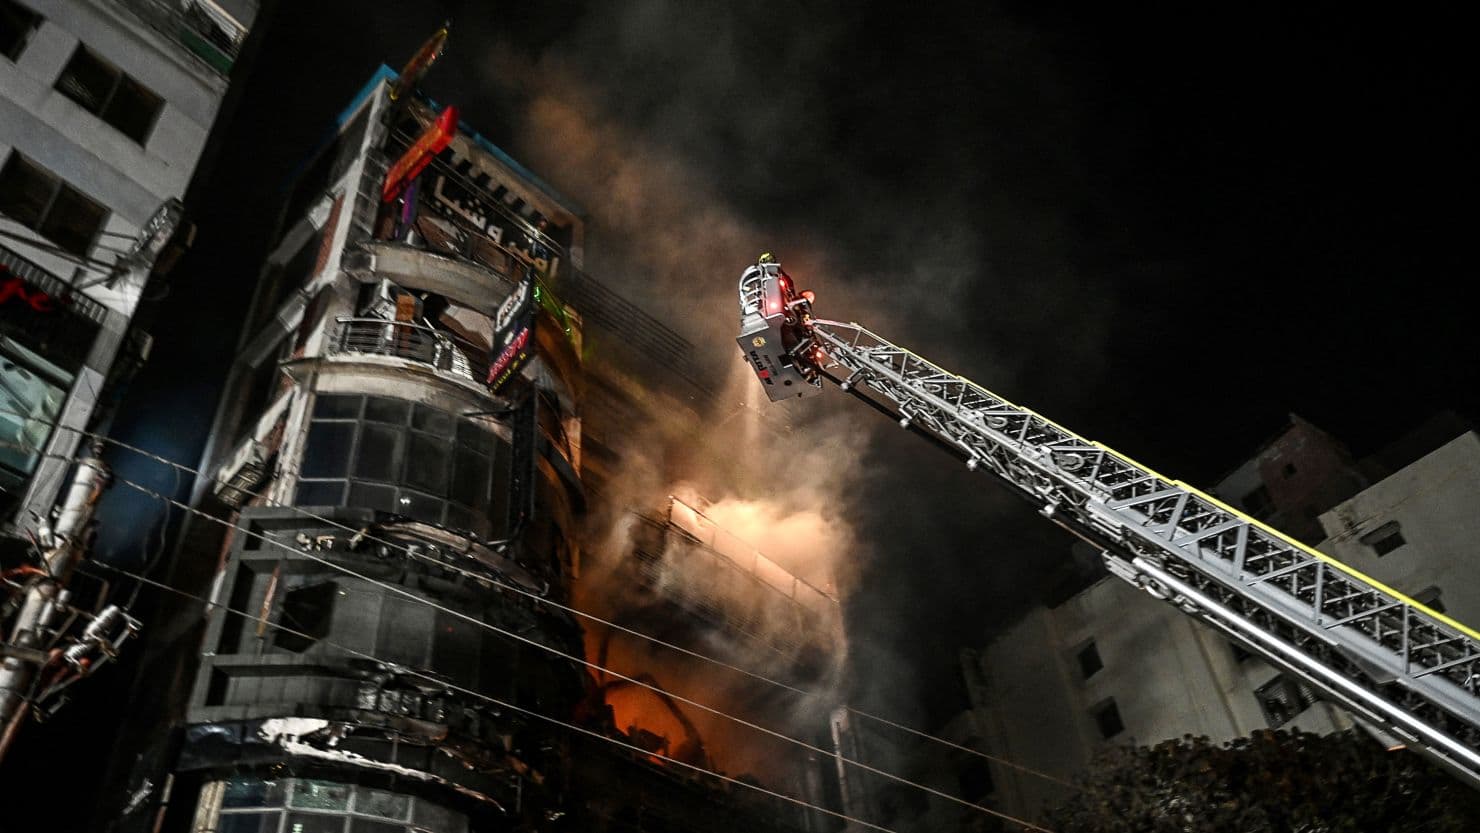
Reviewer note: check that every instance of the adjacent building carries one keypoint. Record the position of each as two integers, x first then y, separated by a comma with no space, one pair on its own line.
1111,665
105,110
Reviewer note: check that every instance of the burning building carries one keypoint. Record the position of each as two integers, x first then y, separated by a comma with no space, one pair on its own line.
398,525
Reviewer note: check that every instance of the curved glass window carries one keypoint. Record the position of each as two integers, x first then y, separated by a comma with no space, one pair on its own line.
255,805
405,458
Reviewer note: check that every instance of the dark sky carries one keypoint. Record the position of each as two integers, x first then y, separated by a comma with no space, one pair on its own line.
1164,228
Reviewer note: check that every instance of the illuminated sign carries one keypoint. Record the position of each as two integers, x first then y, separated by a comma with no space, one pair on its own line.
431,142
13,288
412,73
40,314
513,334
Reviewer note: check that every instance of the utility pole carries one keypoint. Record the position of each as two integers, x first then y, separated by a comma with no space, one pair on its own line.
27,659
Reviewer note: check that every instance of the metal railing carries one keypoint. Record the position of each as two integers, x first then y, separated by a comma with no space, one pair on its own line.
418,343
201,27
597,304
692,521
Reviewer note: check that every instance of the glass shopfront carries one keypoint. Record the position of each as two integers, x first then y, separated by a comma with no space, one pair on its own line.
45,336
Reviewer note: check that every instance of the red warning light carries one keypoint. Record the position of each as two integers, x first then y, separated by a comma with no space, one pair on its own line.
809,295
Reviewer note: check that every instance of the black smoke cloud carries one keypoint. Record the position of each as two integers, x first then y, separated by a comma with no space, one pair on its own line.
933,207
1148,224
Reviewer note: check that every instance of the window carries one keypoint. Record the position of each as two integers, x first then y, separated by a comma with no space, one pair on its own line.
1282,699
252,805
405,459
1089,660
1430,597
16,25
307,613
975,780
1289,470
32,391
1258,502
1240,653
1384,539
1107,718
37,199
101,89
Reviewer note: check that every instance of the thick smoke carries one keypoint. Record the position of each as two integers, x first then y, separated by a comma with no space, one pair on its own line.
698,135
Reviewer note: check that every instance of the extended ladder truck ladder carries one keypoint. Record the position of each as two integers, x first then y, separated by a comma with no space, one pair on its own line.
1390,660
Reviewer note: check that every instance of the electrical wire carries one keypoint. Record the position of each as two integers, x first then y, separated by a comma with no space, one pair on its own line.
400,591
539,599
501,703
781,736
408,551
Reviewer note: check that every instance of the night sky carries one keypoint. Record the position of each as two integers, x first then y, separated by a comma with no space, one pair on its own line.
1164,228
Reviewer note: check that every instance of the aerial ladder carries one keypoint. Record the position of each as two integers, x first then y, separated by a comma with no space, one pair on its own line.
1398,666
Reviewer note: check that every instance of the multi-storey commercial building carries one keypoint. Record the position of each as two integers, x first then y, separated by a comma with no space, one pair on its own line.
1111,665
105,109
397,467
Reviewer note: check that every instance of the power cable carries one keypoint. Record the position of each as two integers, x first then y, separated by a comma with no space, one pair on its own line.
502,704
557,652
400,591
539,599
618,627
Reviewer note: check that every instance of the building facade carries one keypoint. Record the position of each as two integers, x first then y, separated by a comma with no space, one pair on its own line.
1112,665
397,477
105,110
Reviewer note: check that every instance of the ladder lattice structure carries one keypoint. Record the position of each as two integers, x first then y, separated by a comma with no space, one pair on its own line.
1391,661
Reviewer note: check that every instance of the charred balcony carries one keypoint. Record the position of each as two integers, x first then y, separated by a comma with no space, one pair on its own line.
683,563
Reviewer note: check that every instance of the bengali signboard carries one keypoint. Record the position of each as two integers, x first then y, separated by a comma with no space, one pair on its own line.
513,333
473,209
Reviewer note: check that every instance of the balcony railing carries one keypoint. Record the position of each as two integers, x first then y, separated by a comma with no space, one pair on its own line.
198,25
441,351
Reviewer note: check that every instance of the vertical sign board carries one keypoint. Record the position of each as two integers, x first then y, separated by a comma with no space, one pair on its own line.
513,333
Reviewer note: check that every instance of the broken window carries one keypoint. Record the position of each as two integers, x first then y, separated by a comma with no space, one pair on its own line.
1385,538
306,615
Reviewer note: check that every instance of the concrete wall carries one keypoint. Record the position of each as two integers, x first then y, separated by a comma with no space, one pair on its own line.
1436,503
1167,674
130,179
